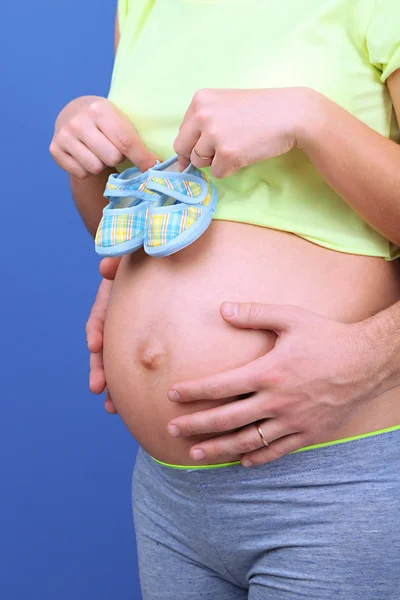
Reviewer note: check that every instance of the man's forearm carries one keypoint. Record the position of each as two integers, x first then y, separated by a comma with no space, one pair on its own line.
382,335
89,199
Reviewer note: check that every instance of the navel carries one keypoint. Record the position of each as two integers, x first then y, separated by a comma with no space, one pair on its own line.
152,354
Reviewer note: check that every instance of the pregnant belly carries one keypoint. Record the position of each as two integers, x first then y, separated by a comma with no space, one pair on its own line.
163,323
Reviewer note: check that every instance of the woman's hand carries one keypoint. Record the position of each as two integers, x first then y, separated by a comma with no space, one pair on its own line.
91,133
315,379
95,331
237,128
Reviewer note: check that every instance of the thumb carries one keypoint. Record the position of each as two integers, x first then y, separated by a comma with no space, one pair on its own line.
255,315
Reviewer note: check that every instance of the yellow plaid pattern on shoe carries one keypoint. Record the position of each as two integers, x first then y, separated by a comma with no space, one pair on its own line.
163,227
119,228
172,227
208,198
123,226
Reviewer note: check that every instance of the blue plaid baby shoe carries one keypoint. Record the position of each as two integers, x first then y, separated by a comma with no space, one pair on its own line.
123,224
185,209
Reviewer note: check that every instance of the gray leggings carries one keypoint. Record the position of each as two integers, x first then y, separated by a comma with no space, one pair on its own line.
321,524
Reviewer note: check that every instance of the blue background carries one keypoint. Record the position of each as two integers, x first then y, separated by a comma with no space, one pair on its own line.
66,528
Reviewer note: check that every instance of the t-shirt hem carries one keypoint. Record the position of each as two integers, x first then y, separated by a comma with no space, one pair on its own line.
322,243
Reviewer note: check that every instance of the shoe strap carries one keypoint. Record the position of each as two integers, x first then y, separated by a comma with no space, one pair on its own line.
131,182
190,187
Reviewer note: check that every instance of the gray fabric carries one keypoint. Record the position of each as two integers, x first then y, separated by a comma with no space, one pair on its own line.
318,524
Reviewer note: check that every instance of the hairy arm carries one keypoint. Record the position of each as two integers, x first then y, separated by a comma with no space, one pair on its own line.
361,165
382,335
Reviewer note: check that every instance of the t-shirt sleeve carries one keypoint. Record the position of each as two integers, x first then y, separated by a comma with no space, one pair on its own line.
383,37
122,12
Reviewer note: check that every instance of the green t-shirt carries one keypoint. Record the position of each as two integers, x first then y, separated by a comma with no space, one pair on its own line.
344,49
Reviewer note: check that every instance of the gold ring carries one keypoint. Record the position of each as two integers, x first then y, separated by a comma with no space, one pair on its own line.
202,157
260,431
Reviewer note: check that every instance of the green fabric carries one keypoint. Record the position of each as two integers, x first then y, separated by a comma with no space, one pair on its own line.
349,439
217,466
344,49
313,447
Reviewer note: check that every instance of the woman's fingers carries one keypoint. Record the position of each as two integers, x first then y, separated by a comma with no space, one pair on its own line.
205,149
85,157
100,145
191,146
109,404
235,382
226,448
68,162
94,331
123,135
219,419
97,381
95,135
185,141
109,266
95,323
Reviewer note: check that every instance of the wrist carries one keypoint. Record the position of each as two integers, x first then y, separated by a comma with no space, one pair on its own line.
310,117
89,199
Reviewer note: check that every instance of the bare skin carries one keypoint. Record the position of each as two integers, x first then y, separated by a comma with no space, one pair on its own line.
163,325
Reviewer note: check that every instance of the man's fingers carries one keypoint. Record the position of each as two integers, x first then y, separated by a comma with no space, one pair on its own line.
221,418
255,315
235,382
231,446
275,450
97,380
108,267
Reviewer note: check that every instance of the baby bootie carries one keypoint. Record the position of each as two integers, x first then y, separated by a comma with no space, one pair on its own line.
184,211
123,224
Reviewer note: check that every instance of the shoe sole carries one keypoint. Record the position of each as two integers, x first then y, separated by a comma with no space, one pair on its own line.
121,249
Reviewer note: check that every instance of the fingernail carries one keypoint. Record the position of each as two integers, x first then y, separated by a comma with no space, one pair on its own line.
174,431
229,309
246,463
198,454
173,396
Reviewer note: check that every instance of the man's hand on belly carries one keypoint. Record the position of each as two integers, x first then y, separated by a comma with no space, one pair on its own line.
320,373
